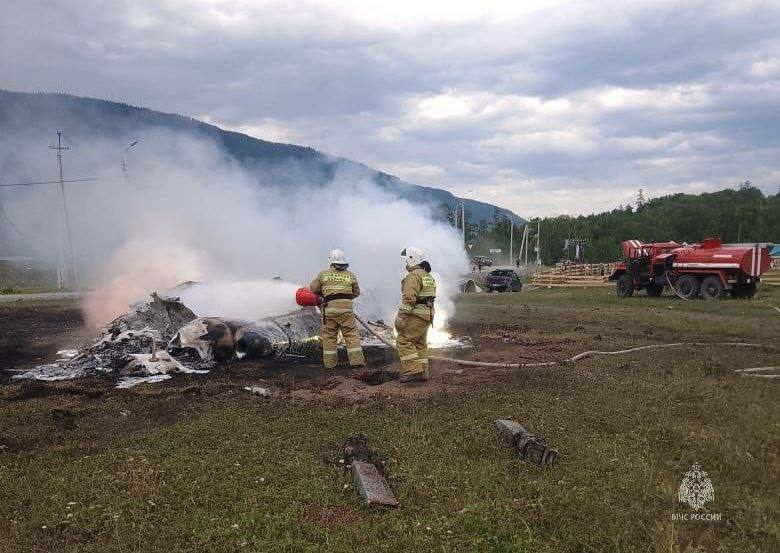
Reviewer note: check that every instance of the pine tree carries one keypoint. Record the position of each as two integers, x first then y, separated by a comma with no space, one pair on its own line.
640,200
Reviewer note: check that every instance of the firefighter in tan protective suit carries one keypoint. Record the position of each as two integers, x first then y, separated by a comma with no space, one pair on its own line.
415,316
338,287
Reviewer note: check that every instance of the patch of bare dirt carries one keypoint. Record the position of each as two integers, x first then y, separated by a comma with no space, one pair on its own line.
31,335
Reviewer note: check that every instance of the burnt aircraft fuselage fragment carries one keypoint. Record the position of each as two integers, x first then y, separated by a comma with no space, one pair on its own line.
295,334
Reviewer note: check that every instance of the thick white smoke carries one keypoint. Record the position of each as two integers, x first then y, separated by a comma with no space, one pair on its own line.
188,212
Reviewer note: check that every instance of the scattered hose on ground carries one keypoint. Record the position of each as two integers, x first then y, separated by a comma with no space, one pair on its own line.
585,354
754,370
577,357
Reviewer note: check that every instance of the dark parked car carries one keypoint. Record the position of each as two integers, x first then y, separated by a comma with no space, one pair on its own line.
486,261
503,280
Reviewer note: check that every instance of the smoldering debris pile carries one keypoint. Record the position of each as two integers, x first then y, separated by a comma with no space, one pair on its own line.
162,336
133,346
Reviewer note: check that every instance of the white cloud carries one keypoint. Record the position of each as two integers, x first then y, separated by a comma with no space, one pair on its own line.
663,99
766,68
500,97
444,107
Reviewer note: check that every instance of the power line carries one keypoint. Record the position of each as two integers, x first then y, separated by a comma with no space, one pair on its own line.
44,182
8,220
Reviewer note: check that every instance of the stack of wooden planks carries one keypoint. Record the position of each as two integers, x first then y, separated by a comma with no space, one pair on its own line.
771,277
574,275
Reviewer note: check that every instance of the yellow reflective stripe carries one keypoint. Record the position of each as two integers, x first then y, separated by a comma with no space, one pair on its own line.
354,350
405,308
408,357
328,290
336,311
423,360
325,352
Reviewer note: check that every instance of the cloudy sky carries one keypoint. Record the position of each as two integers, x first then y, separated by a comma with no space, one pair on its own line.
544,107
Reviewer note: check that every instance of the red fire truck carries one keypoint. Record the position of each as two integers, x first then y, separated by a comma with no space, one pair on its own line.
710,269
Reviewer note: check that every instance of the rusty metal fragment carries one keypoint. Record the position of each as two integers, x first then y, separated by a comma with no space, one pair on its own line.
526,444
369,480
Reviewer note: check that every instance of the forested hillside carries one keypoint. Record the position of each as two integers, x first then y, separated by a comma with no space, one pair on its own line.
743,215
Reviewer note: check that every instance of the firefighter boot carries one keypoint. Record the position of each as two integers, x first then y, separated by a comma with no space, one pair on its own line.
413,377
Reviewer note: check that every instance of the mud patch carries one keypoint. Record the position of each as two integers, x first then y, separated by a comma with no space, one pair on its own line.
376,377
31,334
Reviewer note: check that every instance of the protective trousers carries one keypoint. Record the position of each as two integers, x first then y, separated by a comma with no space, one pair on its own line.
345,322
412,344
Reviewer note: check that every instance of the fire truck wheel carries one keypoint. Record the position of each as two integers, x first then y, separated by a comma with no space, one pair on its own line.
712,288
625,287
687,286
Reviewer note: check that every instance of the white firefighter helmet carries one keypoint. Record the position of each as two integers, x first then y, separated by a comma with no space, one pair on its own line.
336,257
413,256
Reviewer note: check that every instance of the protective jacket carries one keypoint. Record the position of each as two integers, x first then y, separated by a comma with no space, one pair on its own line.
338,288
418,292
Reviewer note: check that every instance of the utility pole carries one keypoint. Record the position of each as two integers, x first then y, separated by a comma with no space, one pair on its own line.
524,244
538,241
511,240
463,220
124,160
463,217
65,267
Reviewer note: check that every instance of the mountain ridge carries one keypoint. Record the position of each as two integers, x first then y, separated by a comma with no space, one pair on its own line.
46,112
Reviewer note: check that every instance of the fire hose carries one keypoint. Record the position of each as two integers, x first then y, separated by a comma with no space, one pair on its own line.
676,293
573,359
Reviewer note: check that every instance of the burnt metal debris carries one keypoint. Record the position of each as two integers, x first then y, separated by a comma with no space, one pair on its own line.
526,445
161,336
367,473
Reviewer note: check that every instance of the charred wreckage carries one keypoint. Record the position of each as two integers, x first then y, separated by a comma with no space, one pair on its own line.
162,336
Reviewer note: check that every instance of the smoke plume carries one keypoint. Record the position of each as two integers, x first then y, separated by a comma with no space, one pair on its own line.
187,211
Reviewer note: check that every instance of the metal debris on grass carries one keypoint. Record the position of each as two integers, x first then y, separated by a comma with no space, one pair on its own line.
369,480
526,444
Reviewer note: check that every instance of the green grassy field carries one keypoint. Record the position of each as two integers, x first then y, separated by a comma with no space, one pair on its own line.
221,471
19,279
